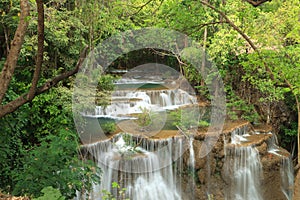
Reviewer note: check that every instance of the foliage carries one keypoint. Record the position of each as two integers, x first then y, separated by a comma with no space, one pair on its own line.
38,144
144,118
284,64
190,118
203,123
121,193
289,135
64,170
54,142
105,89
49,193
109,127
239,109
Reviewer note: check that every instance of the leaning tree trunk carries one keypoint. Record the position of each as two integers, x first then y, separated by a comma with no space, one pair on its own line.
11,62
15,47
298,138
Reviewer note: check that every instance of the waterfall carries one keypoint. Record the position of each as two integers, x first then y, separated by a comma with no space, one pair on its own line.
192,168
146,172
287,177
286,167
166,99
125,102
246,176
243,167
192,153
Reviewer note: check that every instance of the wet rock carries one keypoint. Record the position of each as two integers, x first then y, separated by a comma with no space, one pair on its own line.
202,174
262,149
199,162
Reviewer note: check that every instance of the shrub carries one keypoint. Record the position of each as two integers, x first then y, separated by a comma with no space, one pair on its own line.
55,163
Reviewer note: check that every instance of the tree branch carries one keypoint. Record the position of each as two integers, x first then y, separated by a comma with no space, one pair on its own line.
49,84
40,51
6,38
256,3
198,27
141,7
231,24
15,104
269,71
12,57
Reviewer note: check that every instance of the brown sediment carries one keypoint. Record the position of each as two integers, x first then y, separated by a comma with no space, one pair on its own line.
263,128
201,132
252,140
228,127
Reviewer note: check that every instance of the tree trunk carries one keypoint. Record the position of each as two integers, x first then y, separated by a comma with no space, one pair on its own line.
15,104
203,56
296,195
268,70
298,138
40,51
15,47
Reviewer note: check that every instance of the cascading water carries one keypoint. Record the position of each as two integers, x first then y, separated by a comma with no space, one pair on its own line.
126,102
286,168
146,168
149,169
146,172
191,166
287,177
166,99
247,172
244,167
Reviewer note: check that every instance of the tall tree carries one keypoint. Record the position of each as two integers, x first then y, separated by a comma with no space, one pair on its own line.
12,58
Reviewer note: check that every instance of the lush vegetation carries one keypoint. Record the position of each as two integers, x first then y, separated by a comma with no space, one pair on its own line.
256,49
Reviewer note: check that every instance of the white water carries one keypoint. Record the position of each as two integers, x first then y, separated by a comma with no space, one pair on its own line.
244,168
239,135
247,173
126,102
287,177
192,153
146,174
286,167
192,168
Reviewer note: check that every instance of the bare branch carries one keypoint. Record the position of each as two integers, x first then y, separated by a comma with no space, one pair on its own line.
12,57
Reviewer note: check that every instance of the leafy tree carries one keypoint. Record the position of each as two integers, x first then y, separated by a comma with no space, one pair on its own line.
63,169
50,194
11,61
